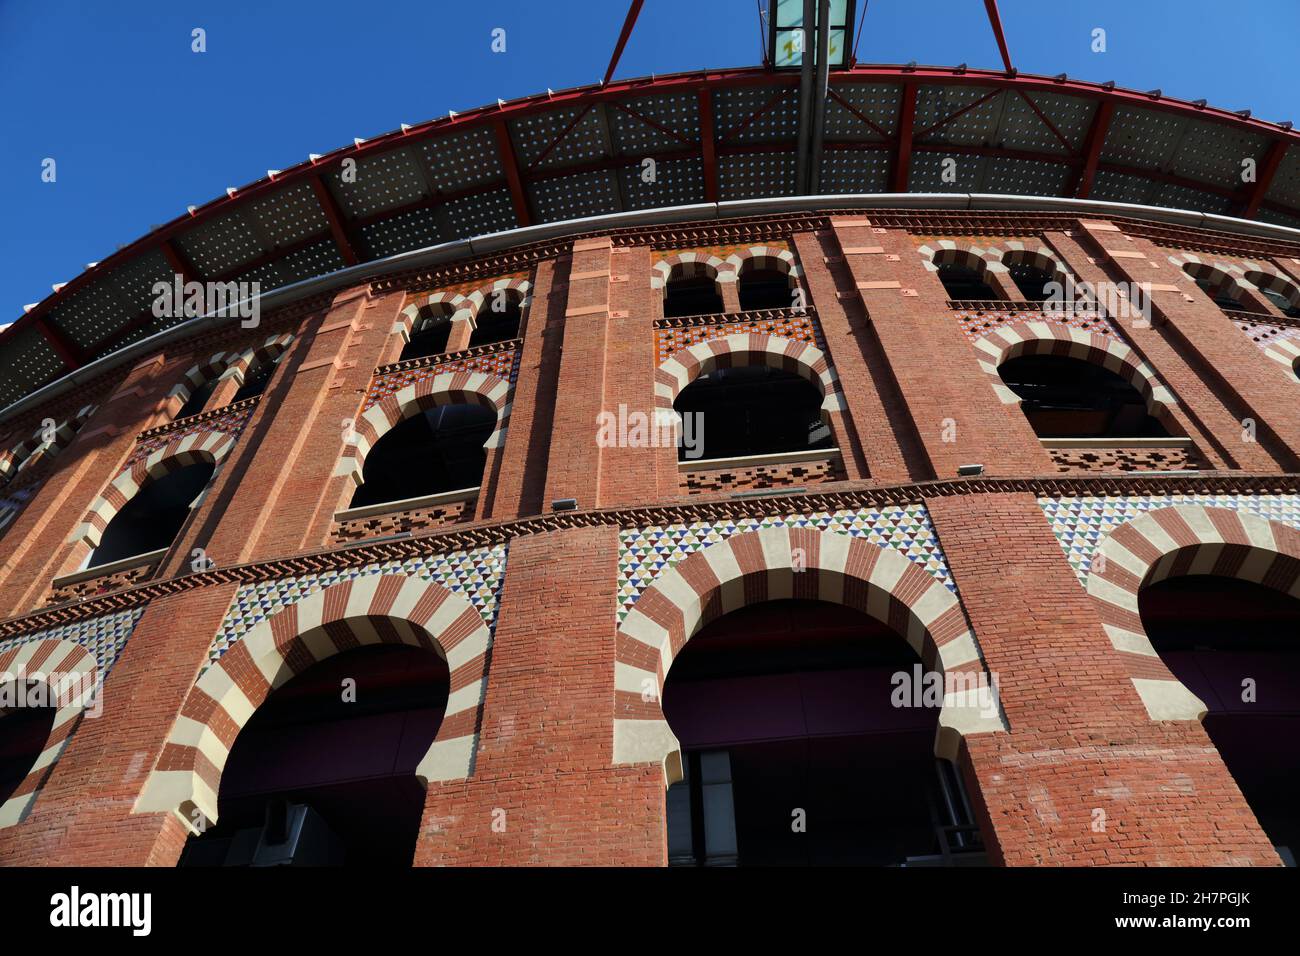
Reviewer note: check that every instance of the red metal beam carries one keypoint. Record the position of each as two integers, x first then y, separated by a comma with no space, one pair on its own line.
996,20
1263,177
68,352
856,112
903,152
177,262
707,144
628,23
1092,149
510,163
334,216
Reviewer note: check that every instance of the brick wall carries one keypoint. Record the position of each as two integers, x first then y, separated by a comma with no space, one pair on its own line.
1080,739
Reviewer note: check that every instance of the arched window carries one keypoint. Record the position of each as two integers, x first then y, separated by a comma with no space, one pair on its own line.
1067,397
430,335
692,290
324,776
792,704
151,519
1288,300
199,397
257,377
435,451
25,726
963,275
753,410
498,319
1217,285
764,286
1031,281
1236,645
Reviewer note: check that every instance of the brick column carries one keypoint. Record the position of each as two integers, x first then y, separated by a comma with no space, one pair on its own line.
83,815
907,306
1198,414
544,773
730,296
1245,380
521,484
283,491
628,476
573,467
37,547
458,339
1084,777
876,437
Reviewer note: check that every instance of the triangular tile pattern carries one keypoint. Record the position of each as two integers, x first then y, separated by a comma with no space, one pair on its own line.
646,553
475,575
1080,523
104,637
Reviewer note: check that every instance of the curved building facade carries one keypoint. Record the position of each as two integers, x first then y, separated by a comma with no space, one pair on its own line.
563,494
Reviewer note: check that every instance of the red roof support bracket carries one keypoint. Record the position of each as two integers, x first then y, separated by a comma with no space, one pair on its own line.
335,216
177,262
996,20
1263,177
710,153
628,23
903,154
1092,148
69,354
510,163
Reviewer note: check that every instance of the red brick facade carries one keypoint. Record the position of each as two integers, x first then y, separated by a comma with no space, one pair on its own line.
907,402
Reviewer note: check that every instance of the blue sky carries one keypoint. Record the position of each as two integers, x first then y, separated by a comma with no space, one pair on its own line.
141,127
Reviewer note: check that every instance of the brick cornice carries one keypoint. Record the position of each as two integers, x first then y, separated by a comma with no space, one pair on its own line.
843,496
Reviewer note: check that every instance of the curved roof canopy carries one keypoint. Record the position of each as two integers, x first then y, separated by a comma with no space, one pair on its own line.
712,136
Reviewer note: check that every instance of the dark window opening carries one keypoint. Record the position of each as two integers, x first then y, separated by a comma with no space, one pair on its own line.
256,378
1070,398
317,779
438,450
1215,634
24,730
151,520
962,282
430,340
765,289
1222,295
697,295
787,705
199,397
1282,302
1031,281
493,326
752,410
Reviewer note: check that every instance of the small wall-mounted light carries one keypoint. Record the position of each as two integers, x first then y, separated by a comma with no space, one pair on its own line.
564,504
969,471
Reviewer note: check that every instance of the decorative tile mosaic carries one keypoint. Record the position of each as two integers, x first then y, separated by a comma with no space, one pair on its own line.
804,328
503,363
1080,523
979,322
104,637
475,575
230,424
645,553
1263,333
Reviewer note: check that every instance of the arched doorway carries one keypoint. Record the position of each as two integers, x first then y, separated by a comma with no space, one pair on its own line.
153,517
324,772
753,410
438,450
799,746
1066,397
1235,644
27,712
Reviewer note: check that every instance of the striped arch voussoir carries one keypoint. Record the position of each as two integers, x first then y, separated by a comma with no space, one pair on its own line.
234,364
36,446
1176,541
1285,351
71,679
761,257
689,265
209,446
448,388
778,563
373,609
753,348
438,305
1051,338
475,301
